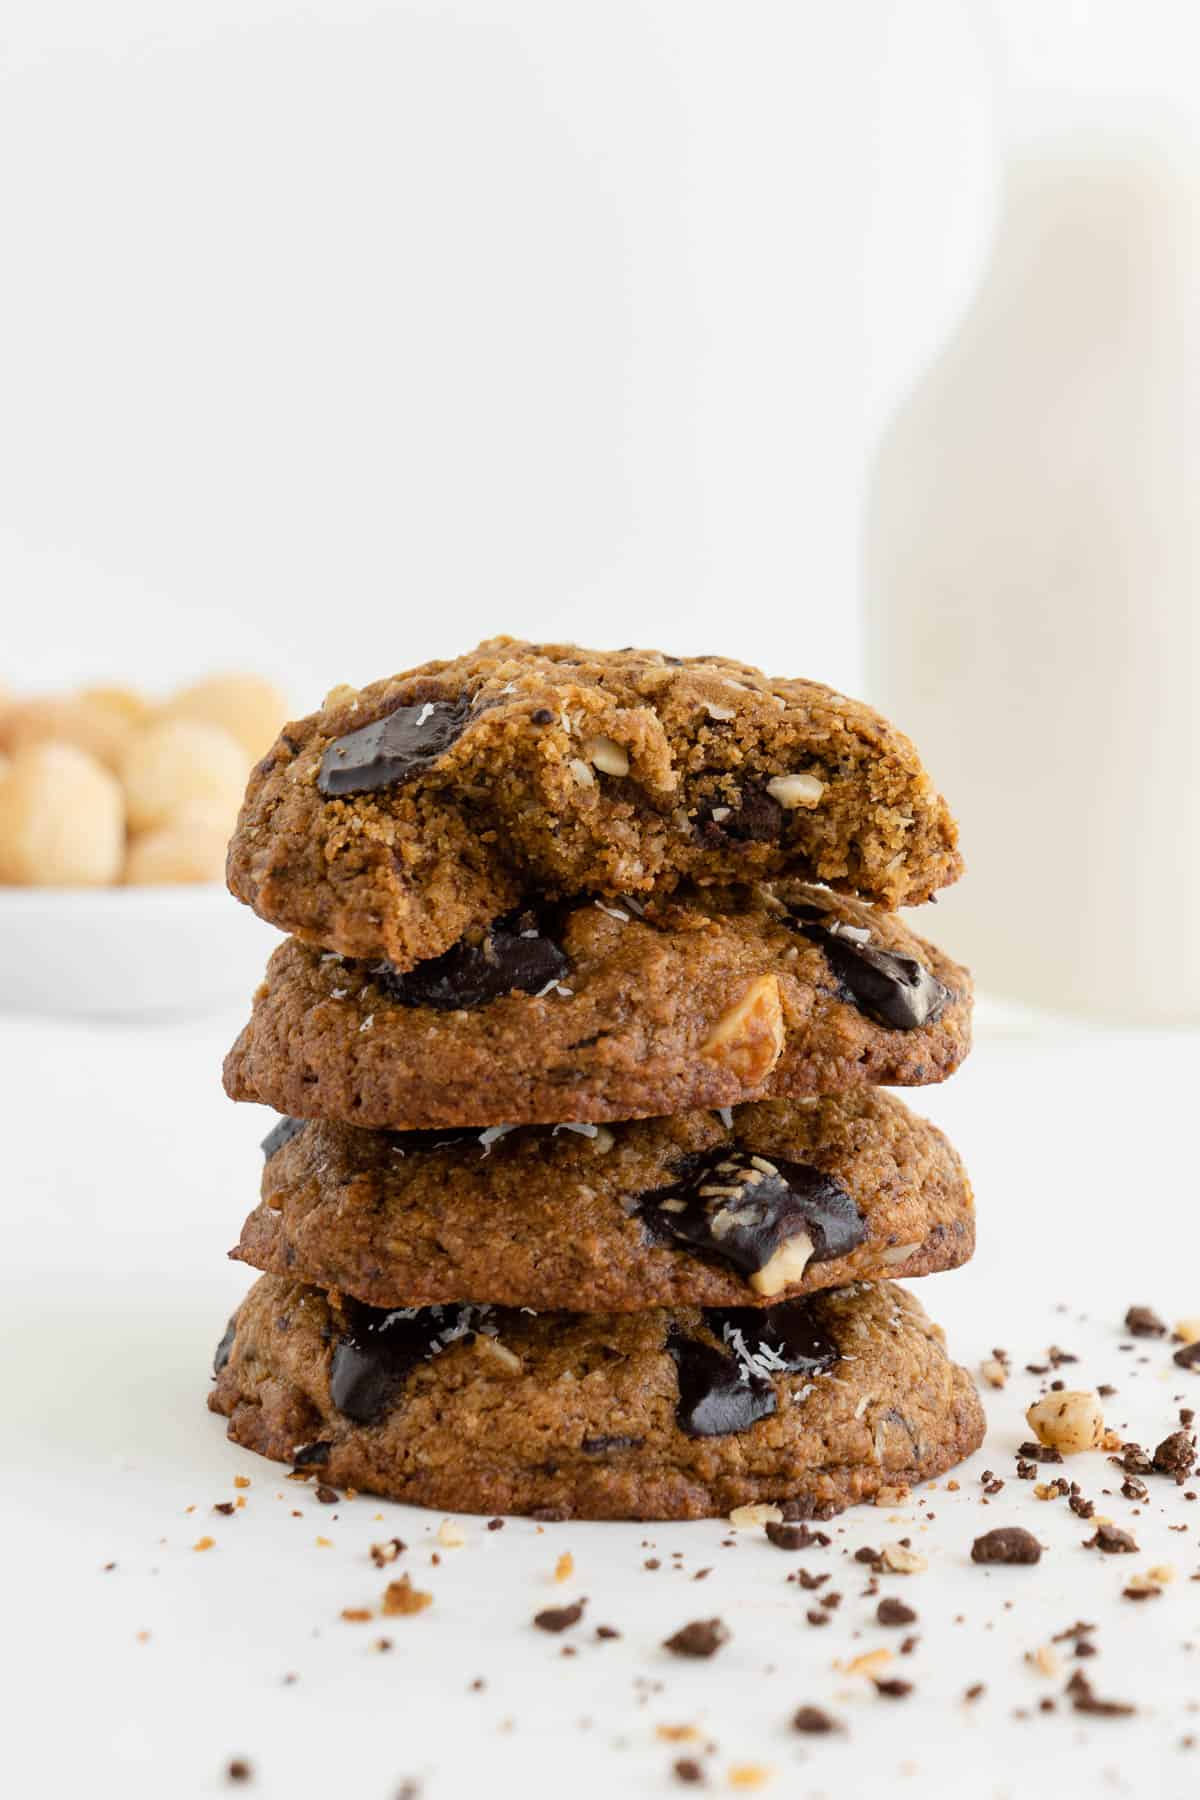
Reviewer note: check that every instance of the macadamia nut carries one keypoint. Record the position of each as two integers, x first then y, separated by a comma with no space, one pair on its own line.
184,850
181,769
249,708
94,728
1070,1421
62,819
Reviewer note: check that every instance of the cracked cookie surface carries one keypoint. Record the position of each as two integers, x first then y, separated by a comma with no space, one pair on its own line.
746,1208
714,997
403,815
672,1414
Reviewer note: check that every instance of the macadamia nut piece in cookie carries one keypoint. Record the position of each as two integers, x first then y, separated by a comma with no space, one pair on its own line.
185,850
90,727
248,707
181,769
61,819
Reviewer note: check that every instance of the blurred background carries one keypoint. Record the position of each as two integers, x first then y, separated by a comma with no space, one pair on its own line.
855,342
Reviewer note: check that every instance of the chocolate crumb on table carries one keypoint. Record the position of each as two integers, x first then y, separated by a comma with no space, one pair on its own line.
1007,1544
703,1637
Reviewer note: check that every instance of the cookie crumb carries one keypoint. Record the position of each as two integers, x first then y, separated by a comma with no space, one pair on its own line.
703,1637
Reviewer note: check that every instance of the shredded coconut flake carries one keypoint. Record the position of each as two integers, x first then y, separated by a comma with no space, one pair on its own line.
367,1022
614,912
424,712
492,1135
725,1114
589,1131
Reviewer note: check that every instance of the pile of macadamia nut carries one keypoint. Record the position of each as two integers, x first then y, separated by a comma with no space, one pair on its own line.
106,786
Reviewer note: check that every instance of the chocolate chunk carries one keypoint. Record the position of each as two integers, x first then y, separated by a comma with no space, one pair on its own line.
1143,1321
602,1445
224,1348
373,1357
756,818
889,987
715,1398
743,1207
795,1537
1007,1544
310,1456
722,1391
516,953
703,1637
688,1770
813,1721
1189,1356
895,1612
392,748
892,1688
559,1618
281,1134
1175,1455
1112,1540
443,1137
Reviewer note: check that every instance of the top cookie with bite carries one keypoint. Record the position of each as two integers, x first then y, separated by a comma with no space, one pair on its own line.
404,814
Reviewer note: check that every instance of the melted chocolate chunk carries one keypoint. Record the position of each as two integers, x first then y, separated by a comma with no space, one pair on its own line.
391,749
727,1390
714,1399
434,1138
888,986
756,819
281,1134
223,1350
784,1339
743,1207
516,953
373,1357
312,1456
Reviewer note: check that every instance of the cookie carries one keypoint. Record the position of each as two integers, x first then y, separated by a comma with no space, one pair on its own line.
399,818
676,1414
787,1197
594,1011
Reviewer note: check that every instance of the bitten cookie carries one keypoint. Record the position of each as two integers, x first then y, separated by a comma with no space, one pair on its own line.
595,1011
677,1414
400,817
746,1208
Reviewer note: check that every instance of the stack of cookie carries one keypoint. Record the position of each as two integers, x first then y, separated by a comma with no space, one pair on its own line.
586,1200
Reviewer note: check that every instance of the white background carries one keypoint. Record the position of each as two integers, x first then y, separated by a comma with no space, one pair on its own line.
335,336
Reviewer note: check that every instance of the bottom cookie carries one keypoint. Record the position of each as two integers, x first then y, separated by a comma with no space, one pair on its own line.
673,1414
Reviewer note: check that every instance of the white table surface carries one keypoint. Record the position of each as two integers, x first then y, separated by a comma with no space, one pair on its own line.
126,1177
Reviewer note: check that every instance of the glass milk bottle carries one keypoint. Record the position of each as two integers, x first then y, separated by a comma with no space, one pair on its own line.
1032,581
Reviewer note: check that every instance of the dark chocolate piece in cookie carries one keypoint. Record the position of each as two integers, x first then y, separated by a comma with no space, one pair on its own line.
726,1389
399,819
570,1216
889,986
576,1414
392,749
769,1219
377,1349
516,955
712,999
281,1134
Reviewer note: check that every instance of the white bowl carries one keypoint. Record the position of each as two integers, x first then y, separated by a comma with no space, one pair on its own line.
128,953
